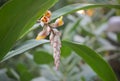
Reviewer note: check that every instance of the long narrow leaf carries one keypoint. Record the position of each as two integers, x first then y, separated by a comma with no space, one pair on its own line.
75,7
16,17
24,47
97,63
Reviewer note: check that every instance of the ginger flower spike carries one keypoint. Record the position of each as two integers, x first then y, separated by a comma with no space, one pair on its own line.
50,29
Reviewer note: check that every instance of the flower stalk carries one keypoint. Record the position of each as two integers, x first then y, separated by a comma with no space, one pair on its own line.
54,35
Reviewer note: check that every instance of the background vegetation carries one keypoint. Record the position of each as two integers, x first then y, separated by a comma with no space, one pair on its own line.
90,41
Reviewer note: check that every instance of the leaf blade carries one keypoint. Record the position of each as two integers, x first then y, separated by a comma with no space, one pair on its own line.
42,57
94,60
26,46
75,7
21,14
24,73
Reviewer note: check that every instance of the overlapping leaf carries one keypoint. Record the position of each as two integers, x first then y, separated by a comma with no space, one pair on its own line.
75,7
24,47
16,17
95,61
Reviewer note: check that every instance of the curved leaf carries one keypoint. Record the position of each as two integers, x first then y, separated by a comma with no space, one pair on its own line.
24,73
24,47
42,57
70,29
75,7
32,44
16,17
96,62
65,51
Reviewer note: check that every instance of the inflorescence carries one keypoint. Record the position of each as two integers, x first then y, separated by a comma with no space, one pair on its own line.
54,34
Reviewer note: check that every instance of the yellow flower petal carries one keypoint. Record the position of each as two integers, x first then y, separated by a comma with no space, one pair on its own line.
39,37
59,21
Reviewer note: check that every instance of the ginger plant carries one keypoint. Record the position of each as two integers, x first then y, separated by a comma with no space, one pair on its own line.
54,34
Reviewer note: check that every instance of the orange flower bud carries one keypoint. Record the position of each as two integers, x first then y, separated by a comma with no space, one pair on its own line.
48,14
89,12
44,19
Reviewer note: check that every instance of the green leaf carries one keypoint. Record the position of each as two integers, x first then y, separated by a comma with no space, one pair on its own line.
118,37
12,73
42,57
118,1
24,47
75,7
70,30
86,32
96,62
65,51
25,75
16,17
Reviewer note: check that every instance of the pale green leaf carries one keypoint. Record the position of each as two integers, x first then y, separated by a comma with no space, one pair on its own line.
75,7
24,47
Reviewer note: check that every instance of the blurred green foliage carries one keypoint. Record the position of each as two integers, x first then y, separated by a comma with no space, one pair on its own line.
33,60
